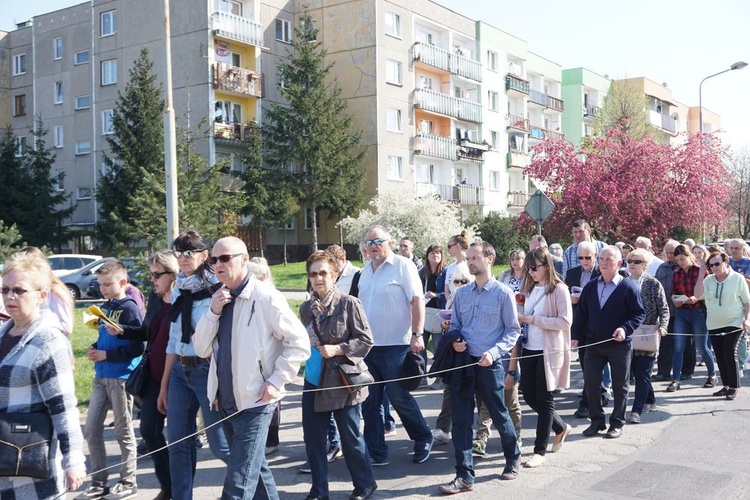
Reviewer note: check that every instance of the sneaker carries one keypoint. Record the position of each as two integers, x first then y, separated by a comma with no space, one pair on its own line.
673,387
334,452
121,491
458,485
93,491
379,462
305,468
479,448
649,407
535,461
441,437
711,382
731,394
510,472
390,432
635,418
363,493
722,392
422,450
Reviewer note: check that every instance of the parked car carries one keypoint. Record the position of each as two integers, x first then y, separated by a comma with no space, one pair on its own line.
134,277
79,282
66,263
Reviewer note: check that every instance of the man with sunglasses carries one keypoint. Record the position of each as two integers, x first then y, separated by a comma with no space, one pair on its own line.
256,345
392,296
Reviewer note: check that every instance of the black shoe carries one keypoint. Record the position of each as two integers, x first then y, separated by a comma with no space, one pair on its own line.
458,485
510,472
362,493
581,413
613,433
593,430
305,468
711,382
660,378
722,392
673,387
731,394
379,462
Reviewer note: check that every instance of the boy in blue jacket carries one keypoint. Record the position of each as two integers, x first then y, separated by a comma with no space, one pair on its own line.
114,359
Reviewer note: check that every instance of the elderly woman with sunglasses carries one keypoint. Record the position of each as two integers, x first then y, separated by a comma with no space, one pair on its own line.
657,313
340,335
728,314
545,358
184,384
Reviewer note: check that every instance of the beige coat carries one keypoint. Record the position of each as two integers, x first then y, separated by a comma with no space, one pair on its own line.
555,322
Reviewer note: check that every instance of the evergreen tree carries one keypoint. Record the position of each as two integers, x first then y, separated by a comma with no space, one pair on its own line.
312,134
11,241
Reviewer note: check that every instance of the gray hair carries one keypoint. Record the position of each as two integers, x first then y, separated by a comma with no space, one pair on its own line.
643,242
259,267
587,245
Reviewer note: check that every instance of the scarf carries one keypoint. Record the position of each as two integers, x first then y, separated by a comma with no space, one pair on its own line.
320,309
191,288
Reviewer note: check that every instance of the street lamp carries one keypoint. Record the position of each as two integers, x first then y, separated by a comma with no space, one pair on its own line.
737,65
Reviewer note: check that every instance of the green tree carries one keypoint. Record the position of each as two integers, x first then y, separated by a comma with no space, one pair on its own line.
11,240
312,133
131,191
503,233
625,107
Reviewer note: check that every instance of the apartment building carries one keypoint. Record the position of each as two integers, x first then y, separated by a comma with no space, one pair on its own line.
583,92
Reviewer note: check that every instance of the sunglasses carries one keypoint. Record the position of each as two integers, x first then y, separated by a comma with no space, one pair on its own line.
223,258
315,274
158,274
461,282
712,264
187,254
636,262
17,290
534,268
377,242
584,257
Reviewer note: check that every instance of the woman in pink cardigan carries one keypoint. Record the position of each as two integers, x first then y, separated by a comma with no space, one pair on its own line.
545,357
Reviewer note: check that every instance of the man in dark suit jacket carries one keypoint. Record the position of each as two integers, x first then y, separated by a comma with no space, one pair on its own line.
608,312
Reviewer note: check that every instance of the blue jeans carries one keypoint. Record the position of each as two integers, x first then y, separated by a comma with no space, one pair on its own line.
152,432
248,475
644,391
489,384
352,443
691,321
385,363
187,393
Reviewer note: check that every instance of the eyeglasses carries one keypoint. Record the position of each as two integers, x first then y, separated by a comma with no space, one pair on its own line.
159,274
17,290
461,282
712,264
584,257
535,268
187,254
636,262
223,258
377,242
315,274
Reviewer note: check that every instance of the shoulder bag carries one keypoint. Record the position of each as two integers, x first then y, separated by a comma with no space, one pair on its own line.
645,338
353,376
136,383
25,439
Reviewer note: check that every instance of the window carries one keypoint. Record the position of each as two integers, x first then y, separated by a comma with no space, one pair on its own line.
289,226
427,174
57,48
59,180
109,72
491,60
393,71
19,64
308,219
83,101
236,60
82,57
425,126
494,139
109,23
425,82
83,193
494,180
227,112
492,100
58,93
19,105
20,143
58,136
107,127
393,24
395,168
283,31
394,120
83,147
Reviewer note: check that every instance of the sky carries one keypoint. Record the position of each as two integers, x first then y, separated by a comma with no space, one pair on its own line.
679,42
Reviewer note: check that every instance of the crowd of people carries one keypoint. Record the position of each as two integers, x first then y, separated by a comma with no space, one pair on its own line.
220,344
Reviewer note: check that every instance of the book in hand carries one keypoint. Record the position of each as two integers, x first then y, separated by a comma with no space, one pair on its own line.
96,311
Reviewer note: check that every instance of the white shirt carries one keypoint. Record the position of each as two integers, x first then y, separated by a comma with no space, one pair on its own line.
534,305
655,263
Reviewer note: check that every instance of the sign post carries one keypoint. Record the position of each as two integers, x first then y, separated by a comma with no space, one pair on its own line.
539,207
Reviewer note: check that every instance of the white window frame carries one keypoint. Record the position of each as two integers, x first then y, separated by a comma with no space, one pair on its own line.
494,180
19,64
58,136
495,139
393,74
57,48
84,193
111,25
492,100
426,173
77,61
393,120
83,102
20,146
83,148
492,60
108,69
395,168
289,226
59,180
58,93
107,126
286,30
425,82
393,24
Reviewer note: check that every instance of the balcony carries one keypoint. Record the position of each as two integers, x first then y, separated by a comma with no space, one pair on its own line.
457,64
591,111
463,194
517,84
234,133
447,105
555,104
237,28
517,199
545,100
436,146
230,78
541,134
518,122
518,159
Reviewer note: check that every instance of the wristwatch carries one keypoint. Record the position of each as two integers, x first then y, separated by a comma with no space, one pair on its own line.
512,372
417,334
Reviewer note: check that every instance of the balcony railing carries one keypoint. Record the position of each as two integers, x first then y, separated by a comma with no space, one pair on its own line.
515,82
542,134
233,79
538,97
436,146
518,159
555,104
591,110
463,194
518,122
237,28
444,104
441,58
234,132
668,123
517,198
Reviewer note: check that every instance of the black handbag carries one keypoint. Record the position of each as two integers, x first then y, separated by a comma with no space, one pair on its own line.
136,383
25,440
353,376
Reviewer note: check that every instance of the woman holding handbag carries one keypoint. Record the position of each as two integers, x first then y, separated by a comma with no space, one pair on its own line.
657,313
155,331
340,336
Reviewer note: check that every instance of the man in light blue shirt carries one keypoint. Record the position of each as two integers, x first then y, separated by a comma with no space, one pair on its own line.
484,318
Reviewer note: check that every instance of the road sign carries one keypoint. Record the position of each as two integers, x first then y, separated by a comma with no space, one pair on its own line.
539,207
